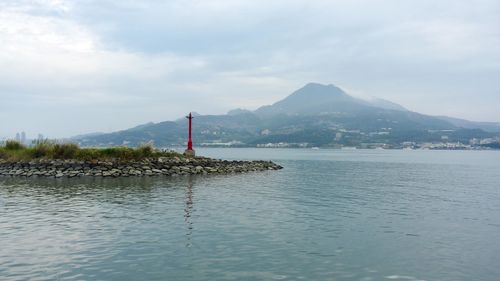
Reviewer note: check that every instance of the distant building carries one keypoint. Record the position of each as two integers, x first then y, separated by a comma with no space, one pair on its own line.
23,137
338,136
18,137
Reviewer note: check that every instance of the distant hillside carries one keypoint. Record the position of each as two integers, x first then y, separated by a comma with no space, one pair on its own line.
385,104
461,123
316,114
168,132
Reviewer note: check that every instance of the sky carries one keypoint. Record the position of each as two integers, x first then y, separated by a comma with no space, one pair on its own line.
75,67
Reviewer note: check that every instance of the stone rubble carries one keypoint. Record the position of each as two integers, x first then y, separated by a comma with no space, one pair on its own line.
115,168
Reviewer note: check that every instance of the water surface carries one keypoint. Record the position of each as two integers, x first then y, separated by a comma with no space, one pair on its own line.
329,215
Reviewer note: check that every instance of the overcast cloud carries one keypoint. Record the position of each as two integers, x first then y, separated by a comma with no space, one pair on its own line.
71,67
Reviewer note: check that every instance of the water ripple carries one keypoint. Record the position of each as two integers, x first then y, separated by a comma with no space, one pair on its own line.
342,217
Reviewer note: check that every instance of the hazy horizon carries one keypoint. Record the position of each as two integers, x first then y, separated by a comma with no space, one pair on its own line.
71,68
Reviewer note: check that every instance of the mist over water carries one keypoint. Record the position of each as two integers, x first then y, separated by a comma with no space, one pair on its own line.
328,215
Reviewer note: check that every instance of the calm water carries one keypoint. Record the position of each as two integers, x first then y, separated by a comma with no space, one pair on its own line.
329,215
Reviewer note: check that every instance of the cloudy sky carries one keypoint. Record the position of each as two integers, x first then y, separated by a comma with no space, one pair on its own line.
71,67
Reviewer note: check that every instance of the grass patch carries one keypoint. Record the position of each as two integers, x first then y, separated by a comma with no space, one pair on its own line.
13,145
15,151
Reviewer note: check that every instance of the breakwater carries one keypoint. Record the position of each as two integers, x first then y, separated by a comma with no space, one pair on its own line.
119,168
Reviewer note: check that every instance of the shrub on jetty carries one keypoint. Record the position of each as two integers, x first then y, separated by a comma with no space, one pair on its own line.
13,145
15,151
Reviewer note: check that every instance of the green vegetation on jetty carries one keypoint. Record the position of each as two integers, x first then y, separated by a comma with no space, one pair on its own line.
46,159
15,151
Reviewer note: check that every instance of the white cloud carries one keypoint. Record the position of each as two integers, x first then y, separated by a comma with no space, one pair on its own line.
113,64
51,63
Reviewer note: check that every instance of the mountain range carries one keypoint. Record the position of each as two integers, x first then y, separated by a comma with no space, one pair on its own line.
314,115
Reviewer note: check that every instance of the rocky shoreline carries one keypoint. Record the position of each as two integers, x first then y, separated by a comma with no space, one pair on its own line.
115,168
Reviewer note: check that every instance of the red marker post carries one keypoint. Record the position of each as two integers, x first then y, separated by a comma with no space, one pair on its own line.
189,151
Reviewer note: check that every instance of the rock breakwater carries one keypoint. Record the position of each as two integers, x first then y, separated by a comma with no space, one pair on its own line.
145,167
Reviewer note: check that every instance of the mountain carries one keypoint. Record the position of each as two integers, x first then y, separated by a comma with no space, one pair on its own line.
314,99
168,132
385,104
466,124
88,135
316,114
238,111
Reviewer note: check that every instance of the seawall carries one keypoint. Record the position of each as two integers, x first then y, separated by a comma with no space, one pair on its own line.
138,168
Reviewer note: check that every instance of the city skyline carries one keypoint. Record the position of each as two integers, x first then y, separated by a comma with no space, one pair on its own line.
23,137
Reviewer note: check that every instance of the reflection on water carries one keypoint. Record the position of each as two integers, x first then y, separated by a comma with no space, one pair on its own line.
188,211
358,217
